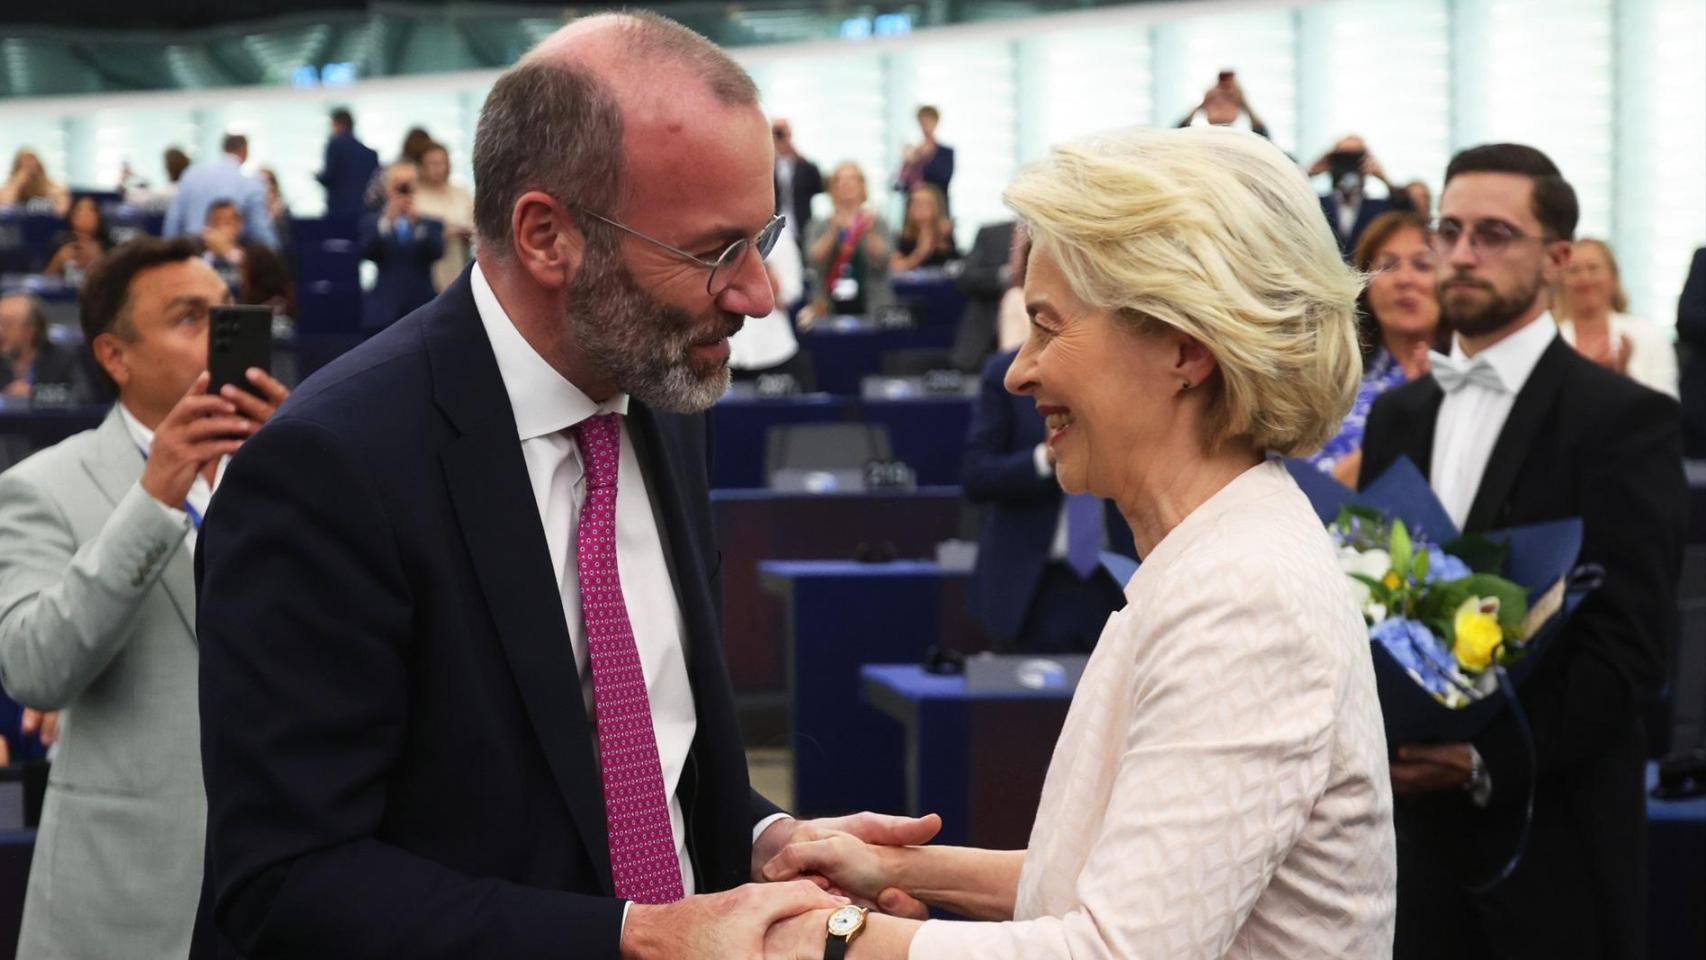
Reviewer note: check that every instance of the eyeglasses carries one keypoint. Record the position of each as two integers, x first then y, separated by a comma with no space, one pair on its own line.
724,267
1486,237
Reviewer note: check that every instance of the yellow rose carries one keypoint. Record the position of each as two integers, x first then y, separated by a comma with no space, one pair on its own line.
1391,580
1478,633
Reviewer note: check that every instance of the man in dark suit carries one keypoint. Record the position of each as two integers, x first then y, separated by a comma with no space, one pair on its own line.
1038,585
405,245
927,161
1691,334
985,275
798,180
1515,428
462,689
349,166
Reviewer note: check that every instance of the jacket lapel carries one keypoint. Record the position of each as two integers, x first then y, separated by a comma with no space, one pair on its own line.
1418,441
115,465
1516,438
489,490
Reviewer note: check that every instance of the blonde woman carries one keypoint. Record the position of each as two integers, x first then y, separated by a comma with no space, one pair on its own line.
1220,787
1590,306
29,182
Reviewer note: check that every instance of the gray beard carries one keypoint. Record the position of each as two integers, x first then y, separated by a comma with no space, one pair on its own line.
645,346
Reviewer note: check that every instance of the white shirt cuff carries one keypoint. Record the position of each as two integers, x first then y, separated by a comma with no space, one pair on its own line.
764,825
1039,455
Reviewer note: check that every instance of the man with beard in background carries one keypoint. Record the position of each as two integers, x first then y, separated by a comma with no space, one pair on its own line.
1505,848
462,685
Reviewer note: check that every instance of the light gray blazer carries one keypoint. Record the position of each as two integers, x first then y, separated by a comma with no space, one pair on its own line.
97,619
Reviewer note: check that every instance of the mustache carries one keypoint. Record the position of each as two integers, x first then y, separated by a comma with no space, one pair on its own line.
727,326
1466,279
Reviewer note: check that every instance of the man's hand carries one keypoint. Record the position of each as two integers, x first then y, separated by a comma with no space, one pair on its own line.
1372,169
400,205
259,409
220,242
718,926
803,937
198,431
876,828
1421,769
46,724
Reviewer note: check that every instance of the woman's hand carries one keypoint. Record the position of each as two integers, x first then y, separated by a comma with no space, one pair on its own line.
850,866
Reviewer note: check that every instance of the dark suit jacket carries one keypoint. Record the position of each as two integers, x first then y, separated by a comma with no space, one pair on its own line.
1691,334
54,366
349,165
1024,508
1371,208
405,268
1580,442
397,759
983,281
807,183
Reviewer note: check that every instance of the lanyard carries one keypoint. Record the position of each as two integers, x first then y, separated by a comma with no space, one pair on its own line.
194,514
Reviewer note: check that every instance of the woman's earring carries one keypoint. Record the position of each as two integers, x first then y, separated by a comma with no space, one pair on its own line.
1184,384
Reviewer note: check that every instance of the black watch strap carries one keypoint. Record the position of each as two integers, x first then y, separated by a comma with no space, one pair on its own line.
835,949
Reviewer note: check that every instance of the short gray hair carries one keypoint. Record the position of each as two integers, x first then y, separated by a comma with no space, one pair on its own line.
555,126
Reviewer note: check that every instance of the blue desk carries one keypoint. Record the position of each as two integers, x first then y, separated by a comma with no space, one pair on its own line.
927,432
934,297
845,358
840,616
1676,851
45,426
758,525
978,759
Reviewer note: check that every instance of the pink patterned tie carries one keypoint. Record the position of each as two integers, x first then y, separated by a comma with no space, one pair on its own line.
636,812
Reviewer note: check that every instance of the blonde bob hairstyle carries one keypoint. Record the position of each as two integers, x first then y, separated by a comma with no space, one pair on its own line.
1215,233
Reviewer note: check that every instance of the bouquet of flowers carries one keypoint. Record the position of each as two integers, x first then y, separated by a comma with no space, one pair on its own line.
1446,613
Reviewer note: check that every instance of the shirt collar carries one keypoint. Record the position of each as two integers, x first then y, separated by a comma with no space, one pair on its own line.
139,434
1514,357
543,401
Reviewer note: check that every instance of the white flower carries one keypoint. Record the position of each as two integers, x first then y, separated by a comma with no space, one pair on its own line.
1372,564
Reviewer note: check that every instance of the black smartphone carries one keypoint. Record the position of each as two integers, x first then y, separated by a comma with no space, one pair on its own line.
238,338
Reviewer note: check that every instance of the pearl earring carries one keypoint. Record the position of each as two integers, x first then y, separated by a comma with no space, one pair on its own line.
1184,384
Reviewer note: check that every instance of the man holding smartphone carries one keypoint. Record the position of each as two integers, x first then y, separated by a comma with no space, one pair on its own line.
97,610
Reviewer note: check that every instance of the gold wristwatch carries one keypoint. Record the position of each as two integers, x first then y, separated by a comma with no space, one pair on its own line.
844,924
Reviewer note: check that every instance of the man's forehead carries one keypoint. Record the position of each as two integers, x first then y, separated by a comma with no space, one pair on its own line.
1476,196
717,158
181,278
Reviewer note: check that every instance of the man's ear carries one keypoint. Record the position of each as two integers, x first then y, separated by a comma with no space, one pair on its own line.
546,240
111,353
1557,258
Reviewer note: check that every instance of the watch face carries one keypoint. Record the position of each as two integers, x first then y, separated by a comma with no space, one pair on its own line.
845,920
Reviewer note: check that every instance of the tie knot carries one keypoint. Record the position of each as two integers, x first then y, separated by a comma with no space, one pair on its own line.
600,441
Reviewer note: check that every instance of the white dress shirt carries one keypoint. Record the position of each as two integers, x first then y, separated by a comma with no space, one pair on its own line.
767,341
201,492
545,406
1471,419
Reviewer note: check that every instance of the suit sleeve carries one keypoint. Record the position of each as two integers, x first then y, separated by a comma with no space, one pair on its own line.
1691,307
993,470
305,626
372,244
1612,655
1379,441
430,246
67,610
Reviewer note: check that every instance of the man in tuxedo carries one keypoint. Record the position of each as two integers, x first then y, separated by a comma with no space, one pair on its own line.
798,180
462,689
404,245
1039,585
1515,428
348,167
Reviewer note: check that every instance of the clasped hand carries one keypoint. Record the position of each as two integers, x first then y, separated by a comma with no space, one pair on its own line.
855,858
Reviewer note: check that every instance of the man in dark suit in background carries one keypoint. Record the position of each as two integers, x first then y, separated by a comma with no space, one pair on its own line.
985,275
1039,585
1347,206
348,167
404,245
798,180
1516,428
1691,334
462,689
